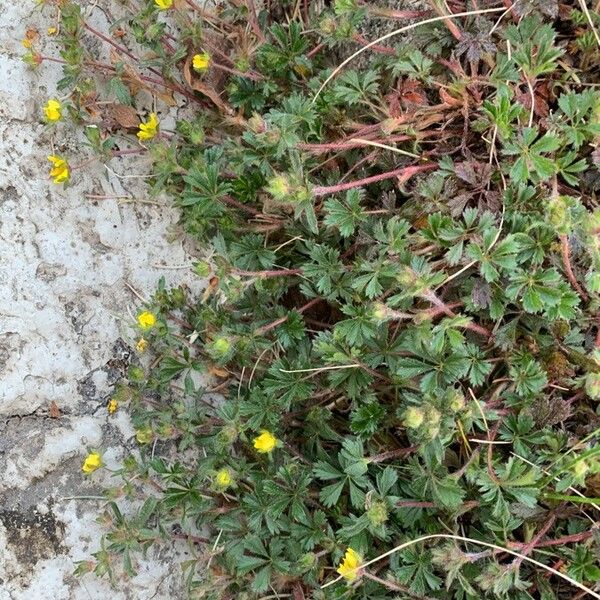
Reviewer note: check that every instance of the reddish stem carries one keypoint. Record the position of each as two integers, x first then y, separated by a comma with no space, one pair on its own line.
403,174
254,21
566,258
430,295
265,328
315,50
275,273
449,23
106,67
243,207
347,145
535,540
567,539
414,504
391,454
395,14
250,75
376,47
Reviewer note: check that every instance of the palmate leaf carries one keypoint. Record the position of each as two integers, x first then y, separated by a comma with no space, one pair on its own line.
443,489
376,276
325,270
528,376
516,479
366,418
538,290
352,472
204,188
353,87
287,387
359,328
345,216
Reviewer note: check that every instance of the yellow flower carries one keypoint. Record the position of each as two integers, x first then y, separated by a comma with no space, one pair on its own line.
92,462
51,30
60,169
223,478
265,442
144,436
52,110
146,320
350,565
148,129
142,344
112,406
163,4
26,43
201,62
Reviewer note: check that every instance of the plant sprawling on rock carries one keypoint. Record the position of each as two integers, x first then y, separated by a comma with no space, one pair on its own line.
400,328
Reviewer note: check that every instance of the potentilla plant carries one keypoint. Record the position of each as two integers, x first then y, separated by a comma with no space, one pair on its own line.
400,334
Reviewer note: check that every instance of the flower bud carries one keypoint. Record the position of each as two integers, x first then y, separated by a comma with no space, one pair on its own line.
220,347
580,469
378,513
592,282
413,417
279,187
307,561
328,26
136,374
202,268
257,124
228,435
457,401
592,385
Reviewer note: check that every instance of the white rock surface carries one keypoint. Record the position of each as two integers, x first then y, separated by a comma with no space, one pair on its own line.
65,262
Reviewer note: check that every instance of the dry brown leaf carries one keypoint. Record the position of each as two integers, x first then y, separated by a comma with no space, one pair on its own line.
218,372
54,410
135,83
32,35
124,115
196,84
448,99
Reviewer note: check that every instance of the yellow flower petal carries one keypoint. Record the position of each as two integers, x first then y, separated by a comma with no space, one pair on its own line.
163,4
350,565
92,462
201,62
265,442
142,345
52,110
60,171
148,129
146,320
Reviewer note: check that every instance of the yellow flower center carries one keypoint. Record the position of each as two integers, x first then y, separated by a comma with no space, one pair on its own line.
201,62
223,478
146,320
265,442
92,462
